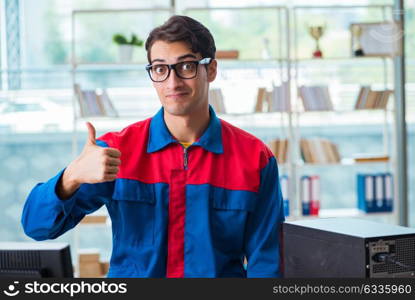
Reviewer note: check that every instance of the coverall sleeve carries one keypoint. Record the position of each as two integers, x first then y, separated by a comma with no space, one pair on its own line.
263,229
46,216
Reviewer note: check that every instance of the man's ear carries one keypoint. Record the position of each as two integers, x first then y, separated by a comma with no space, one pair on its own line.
212,70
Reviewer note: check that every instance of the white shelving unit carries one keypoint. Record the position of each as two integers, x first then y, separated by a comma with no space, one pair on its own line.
386,114
288,69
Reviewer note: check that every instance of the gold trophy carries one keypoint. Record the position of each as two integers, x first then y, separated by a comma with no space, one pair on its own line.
356,34
317,32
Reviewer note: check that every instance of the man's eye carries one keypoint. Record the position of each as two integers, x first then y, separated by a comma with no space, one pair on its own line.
160,69
187,66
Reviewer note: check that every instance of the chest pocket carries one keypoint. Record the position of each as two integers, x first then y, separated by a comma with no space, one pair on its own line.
229,214
134,212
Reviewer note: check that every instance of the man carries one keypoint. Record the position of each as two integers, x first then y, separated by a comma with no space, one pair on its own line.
189,195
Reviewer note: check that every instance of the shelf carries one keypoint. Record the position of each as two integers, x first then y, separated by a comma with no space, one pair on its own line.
252,114
344,111
340,213
240,114
349,212
372,57
143,63
107,118
336,7
249,60
223,63
110,66
95,220
109,63
137,117
344,163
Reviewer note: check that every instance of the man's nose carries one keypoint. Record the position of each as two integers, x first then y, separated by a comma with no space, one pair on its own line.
173,80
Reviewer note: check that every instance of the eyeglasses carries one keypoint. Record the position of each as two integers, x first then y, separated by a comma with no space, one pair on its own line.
183,70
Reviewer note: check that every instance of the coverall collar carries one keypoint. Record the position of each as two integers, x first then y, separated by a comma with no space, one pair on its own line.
160,136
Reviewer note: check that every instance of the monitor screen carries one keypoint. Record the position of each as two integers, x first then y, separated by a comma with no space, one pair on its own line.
35,260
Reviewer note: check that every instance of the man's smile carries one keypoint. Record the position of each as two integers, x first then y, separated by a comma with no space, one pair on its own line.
177,95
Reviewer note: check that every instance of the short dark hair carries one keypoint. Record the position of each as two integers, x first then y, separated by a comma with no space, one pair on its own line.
183,28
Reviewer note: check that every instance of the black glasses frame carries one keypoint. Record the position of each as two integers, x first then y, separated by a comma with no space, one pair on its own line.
203,61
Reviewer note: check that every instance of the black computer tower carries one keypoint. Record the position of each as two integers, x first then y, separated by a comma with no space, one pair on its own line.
347,248
35,260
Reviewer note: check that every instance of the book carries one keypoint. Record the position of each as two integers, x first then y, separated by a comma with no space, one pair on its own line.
369,192
325,96
378,98
370,99
359,98
388,205
385,99
279,98
319,150
284,150
379,191
90,99
361,102
284,182
336,153
81,101
315,98
279,148
94,102
305,194
374,192
305,151
108,108
361,158
314,195
261,98
329,151
310,194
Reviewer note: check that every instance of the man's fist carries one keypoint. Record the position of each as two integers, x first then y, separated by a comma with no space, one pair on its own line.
95,164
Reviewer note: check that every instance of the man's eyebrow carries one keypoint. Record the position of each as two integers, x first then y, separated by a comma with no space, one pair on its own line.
157,59
188,55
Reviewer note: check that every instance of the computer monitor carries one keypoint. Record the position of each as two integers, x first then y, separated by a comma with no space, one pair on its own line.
35,260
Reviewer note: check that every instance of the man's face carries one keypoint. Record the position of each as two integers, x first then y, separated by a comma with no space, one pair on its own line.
181,97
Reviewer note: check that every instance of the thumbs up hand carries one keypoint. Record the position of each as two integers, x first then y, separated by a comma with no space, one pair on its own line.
95,164
91,134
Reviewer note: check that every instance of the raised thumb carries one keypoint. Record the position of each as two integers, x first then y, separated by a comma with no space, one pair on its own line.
91,134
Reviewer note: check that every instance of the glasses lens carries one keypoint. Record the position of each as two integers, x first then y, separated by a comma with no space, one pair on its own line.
187,69
159,72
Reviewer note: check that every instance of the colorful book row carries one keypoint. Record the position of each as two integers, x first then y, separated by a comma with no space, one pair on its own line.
310,195
375,192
